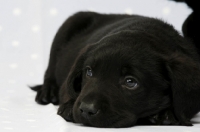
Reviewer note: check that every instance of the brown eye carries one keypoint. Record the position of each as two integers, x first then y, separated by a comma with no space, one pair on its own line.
131,82
89,72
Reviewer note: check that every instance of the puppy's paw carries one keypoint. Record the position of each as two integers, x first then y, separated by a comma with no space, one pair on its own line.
66,111
47,93
165,117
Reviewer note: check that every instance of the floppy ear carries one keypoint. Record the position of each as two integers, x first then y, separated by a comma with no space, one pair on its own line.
184,73
72,85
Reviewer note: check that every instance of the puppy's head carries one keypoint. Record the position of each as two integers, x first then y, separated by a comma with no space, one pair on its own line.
120,79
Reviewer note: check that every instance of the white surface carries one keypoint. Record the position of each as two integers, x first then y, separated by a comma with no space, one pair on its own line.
27,28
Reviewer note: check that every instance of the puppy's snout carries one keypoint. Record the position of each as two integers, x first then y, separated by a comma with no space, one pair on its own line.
88,110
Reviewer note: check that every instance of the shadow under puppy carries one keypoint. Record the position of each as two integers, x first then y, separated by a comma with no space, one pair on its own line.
121,70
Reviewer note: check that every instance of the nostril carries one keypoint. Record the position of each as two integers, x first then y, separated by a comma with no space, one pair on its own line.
90,113
81,110
93,112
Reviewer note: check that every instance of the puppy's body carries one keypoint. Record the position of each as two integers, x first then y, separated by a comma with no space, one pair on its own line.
114,70
86,28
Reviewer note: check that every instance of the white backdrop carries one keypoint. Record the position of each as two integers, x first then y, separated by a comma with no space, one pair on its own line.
27,28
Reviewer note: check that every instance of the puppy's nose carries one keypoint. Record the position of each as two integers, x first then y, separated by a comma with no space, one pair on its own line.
88,109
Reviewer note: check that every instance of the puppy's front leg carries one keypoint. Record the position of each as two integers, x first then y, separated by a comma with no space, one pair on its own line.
165,117
66,110
47,93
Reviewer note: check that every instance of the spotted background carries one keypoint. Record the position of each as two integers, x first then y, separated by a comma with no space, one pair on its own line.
27,28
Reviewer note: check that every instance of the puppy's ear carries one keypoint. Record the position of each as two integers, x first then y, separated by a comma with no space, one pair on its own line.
72,85
184,73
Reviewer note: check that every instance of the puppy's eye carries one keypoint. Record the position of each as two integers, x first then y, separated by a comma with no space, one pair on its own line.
131,82
89,72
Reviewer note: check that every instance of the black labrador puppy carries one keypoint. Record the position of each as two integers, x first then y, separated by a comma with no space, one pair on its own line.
121,70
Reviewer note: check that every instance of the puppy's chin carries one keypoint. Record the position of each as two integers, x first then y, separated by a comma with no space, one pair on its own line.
115,122
105,120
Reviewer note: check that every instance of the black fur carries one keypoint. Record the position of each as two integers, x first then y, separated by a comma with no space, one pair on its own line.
92,56
191,26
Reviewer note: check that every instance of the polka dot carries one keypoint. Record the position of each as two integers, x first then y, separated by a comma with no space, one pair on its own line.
4,102
10,91
34,56
8,128
166,11
17,12
4,109
30,114
29,99
128,11
29,105
91,9
63,129
53,12
31,74
30,120
15,43
7,122
35,28
12,81
13,66
33,126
